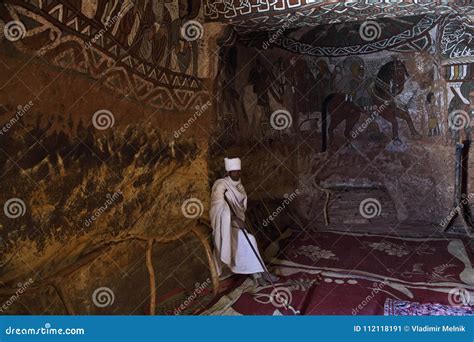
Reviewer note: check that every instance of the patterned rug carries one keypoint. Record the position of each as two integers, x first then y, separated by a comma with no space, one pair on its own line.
182,301
406,308
340,273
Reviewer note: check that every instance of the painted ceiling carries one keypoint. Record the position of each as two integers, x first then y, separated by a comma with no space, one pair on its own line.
258,15
342,39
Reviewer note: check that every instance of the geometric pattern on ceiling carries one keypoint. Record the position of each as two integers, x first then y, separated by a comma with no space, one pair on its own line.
258,15
416,38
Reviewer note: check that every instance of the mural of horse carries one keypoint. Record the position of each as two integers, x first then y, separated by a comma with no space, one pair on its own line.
388,83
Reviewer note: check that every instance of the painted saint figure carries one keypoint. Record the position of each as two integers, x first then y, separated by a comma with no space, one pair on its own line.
260,79
431,108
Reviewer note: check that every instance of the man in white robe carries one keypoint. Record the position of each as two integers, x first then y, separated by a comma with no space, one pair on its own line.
232,249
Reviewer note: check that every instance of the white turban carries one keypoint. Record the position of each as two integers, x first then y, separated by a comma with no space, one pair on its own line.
232,164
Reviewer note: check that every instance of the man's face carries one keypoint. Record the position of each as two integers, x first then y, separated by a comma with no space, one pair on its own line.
234,175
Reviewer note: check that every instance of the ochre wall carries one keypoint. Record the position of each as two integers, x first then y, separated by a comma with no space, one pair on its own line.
88,185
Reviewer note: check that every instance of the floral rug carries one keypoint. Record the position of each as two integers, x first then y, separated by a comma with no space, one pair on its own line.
406,308
340,273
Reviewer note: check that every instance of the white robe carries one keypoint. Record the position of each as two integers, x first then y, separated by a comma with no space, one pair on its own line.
231,248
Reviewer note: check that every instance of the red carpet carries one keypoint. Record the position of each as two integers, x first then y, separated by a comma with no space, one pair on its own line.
359,273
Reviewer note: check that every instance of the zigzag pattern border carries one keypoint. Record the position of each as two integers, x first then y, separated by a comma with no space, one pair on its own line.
181,92
57,12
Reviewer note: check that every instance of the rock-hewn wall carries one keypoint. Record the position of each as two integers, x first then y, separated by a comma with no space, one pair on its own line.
104,125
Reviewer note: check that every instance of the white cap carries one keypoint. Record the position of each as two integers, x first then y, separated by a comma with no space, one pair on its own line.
232,164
